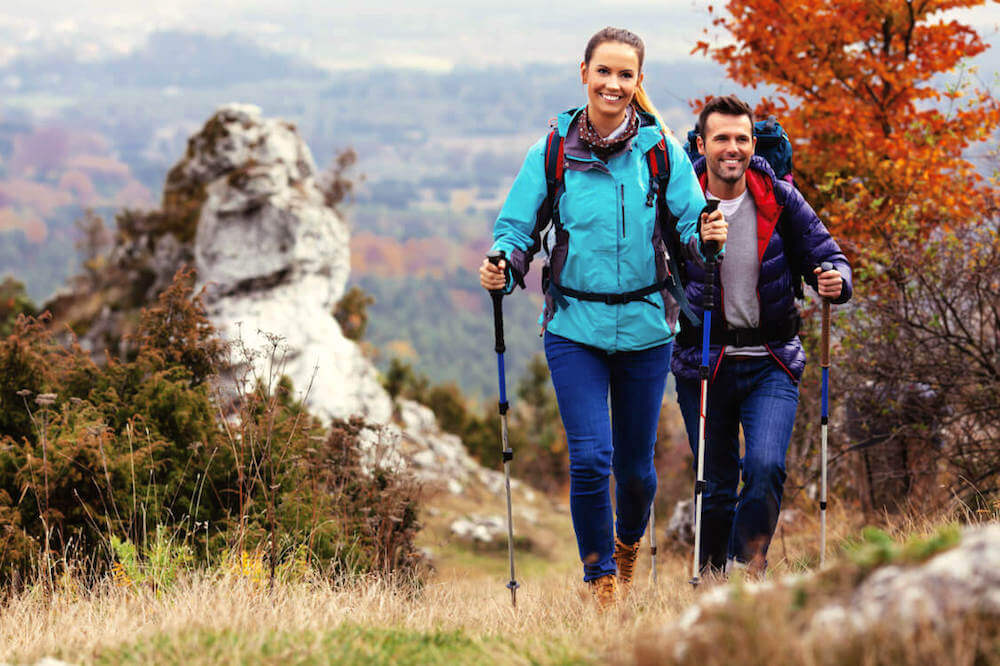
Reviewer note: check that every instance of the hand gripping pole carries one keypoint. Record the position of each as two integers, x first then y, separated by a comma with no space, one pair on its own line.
508,454
708,303
824,418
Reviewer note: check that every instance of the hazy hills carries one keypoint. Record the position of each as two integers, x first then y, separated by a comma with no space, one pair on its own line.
437,151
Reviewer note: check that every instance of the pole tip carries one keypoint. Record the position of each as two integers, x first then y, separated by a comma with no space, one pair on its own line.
512,586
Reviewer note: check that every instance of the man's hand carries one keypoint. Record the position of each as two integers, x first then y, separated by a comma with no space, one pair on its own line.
830,282
492,277
714,227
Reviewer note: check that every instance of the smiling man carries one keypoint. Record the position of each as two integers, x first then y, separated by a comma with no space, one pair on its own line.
769,238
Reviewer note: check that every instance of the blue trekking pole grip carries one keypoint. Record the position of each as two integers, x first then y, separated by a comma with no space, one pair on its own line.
494,258
708,303
824,417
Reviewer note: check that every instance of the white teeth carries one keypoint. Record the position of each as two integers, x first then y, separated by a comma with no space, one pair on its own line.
611,98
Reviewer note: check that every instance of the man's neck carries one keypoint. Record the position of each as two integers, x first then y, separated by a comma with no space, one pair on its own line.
726,190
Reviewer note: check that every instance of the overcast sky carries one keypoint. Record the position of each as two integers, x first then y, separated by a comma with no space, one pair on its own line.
434,34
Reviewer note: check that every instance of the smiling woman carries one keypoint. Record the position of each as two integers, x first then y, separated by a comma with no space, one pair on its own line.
612,181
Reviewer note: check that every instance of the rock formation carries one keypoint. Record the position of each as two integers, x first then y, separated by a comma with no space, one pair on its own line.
274,258
243,208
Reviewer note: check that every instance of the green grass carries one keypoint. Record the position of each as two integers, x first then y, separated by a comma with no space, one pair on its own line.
346,644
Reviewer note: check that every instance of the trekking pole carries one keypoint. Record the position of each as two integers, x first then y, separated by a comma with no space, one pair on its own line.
652,541
497,296
708,302
824,417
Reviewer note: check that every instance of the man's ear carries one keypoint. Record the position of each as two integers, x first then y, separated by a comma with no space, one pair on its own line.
701,145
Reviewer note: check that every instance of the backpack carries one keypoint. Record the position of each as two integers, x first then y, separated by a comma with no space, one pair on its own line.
774,146
659,170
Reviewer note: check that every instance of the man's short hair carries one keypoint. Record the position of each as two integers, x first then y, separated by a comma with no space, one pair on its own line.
729,105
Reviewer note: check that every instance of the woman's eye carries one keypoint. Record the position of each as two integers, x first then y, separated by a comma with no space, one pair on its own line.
626,75
602,70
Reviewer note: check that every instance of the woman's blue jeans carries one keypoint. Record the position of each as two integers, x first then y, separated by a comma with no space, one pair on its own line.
583,378
760,396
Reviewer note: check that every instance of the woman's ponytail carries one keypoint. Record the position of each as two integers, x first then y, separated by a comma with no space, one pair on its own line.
643,102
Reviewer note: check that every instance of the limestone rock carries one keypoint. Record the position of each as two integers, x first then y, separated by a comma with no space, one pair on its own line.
959,581
479,529
273,258
902,598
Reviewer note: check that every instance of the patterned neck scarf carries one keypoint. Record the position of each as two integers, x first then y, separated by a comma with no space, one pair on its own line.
605,147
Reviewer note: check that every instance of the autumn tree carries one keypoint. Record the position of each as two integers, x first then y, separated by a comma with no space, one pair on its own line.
880,143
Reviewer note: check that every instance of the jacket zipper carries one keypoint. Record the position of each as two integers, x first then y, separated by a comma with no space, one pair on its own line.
623,208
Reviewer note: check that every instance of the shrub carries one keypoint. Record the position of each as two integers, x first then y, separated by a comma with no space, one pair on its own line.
134,447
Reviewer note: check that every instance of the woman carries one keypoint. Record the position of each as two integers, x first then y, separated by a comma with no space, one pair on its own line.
608,243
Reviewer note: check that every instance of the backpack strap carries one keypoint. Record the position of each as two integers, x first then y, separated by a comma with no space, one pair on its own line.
555,159
555,162
659,179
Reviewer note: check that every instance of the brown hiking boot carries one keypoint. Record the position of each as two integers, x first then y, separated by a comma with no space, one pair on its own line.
625,557
603,589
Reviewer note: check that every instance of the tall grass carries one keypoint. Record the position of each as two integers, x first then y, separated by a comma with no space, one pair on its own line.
227,614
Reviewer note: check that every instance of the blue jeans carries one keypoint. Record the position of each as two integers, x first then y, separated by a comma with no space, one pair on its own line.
583,377
761,396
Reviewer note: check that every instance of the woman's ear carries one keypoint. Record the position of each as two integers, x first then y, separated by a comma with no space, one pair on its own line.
583,73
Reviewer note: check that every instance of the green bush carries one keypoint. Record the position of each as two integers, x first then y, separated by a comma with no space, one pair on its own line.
130,451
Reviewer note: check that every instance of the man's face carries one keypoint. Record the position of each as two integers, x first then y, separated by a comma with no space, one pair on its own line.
727,142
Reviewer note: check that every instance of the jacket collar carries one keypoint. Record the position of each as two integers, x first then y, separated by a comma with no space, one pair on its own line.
648,136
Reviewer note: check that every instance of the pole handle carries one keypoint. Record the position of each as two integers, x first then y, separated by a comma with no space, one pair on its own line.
825,336
494,258
710,248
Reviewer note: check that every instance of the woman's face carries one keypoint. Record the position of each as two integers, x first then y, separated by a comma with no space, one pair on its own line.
611,78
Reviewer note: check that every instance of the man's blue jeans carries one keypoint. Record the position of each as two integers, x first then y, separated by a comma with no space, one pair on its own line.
760,395
583,377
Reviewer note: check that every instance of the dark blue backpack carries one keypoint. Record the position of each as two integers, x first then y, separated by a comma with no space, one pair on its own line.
773,145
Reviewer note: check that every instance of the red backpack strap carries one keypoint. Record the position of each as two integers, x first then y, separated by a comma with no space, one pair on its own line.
659,170
554,160
659,162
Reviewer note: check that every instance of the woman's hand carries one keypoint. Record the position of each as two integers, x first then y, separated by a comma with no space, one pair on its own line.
830,282
714,227
491,277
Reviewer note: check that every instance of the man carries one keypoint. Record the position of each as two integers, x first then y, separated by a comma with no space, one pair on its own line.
768,238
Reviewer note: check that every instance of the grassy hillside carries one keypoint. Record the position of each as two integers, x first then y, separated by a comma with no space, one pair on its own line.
462,616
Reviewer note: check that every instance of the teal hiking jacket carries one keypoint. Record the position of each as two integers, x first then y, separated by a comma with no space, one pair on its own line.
608,236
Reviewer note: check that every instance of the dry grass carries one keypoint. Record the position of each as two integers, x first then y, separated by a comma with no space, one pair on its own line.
463,615
554,622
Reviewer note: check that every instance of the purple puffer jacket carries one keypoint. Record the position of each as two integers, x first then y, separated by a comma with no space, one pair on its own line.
803,244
